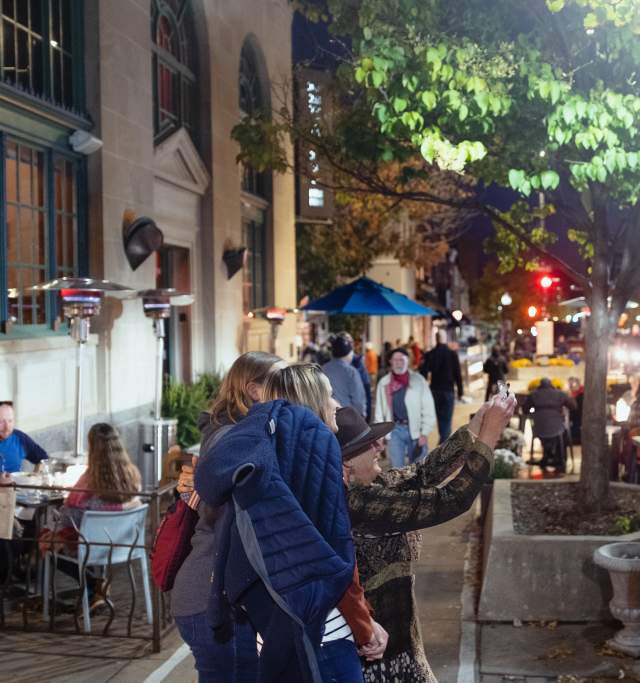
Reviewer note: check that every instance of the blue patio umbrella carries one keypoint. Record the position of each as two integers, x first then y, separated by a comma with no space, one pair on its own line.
367,297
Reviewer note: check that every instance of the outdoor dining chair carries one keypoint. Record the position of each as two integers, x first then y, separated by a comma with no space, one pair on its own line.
106,539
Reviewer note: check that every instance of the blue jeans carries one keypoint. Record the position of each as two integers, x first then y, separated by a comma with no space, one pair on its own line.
339,662
235,661
444,401
401,446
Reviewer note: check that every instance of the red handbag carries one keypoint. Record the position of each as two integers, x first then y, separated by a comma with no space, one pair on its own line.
172,543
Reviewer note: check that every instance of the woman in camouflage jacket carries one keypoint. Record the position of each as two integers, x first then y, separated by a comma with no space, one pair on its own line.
386,517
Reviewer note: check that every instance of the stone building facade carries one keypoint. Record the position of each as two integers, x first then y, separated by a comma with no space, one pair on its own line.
161,83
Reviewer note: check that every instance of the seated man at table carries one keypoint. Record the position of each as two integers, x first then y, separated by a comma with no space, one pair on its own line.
16,446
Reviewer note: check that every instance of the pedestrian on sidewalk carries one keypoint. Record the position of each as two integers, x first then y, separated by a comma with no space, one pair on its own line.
233,661
441,366
415,353
387,511
403,397
346,383
495,367
358,362
279,464
371,361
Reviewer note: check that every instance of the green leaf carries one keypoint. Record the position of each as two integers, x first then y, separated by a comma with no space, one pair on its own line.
549,180
427,149
360,74
377,78
555,5
453,98
590,21
380,110
399,104
463,112
482,100
554,91
432,55
387,154
428,98
366,32
610,160
568,113
543,89
516,178
632,160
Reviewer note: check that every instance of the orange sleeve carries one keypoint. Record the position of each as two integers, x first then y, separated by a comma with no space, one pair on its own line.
357,611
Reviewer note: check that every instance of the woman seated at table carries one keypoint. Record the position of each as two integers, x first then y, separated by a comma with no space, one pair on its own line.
107,485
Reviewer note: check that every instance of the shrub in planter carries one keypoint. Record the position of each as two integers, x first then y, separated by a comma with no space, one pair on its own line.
185,402
505,466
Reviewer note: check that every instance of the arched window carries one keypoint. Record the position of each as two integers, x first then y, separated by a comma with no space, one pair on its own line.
253,103
253,87
175,67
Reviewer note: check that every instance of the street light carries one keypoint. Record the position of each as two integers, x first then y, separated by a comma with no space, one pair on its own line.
457,315
81,299
546,281
506,299
532,311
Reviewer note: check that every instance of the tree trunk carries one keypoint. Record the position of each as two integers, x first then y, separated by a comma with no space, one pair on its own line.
594,473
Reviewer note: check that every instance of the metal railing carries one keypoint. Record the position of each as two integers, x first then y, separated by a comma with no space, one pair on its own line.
23,557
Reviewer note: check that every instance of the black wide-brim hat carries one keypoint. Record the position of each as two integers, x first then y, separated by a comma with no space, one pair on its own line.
355,435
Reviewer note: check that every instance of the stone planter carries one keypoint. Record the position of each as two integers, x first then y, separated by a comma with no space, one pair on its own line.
622,560
541,577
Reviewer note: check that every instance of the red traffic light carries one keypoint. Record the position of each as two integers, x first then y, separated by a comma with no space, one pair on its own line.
546,282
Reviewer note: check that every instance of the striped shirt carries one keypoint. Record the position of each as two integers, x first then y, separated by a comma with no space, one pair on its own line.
336,627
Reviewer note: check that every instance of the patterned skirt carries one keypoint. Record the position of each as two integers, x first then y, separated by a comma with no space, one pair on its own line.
385,566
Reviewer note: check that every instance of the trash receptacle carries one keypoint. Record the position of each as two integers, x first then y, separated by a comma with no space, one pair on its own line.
157,438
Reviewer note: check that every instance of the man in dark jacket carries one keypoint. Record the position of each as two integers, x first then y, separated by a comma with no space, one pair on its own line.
496,368
358,363
442,366
549,424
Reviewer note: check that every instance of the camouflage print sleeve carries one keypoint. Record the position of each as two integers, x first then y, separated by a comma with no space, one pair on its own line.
415,497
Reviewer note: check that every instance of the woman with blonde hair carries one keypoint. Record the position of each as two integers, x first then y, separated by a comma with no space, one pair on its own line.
303,384
234,661
388,509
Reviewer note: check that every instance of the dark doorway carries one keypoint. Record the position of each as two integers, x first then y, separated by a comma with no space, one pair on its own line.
174,270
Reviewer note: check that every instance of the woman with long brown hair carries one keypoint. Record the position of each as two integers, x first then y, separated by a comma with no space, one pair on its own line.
233,661
110,483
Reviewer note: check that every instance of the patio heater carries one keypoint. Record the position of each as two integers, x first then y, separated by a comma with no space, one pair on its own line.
81,299
158,433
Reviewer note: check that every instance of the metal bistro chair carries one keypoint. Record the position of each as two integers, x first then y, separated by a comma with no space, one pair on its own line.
120,532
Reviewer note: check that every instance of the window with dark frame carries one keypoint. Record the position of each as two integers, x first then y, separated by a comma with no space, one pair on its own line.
40,49
252,105
255,185
254,237
40,227
175,67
